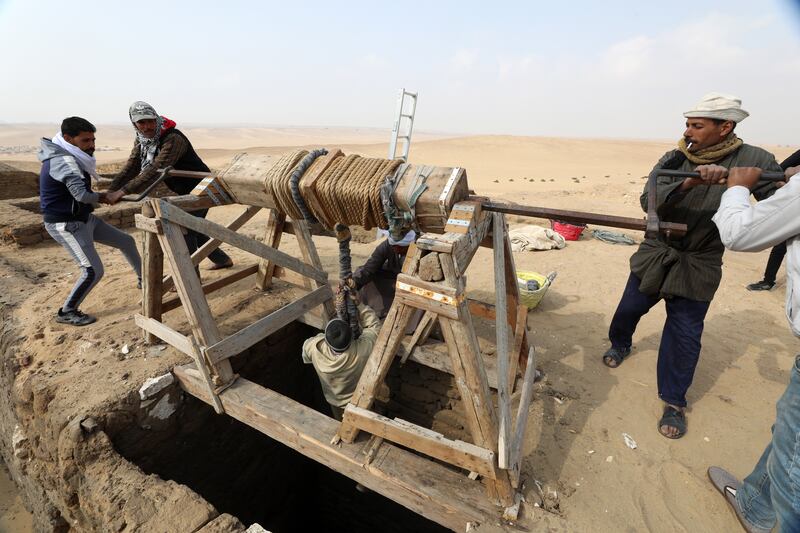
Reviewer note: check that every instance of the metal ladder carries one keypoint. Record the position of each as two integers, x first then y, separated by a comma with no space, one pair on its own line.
403,96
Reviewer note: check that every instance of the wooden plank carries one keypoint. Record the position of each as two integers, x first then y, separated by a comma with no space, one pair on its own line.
434,354
311,257
187,283
245,243
175,339
501,326
272,238
430,489
262,328
189,174
426,304
152,289
522,418
464,249
420,334
150,225
212,244
476,397
455,452
208,288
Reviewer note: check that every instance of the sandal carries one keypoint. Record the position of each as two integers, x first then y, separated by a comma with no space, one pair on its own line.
617,355
727,485
674,418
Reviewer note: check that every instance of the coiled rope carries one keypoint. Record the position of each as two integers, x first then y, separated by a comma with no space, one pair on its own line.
348,190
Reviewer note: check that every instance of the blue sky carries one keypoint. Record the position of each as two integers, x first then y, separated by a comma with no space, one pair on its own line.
578,69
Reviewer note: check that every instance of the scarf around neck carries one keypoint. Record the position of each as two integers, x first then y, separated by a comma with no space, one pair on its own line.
87,162
148,148
712,154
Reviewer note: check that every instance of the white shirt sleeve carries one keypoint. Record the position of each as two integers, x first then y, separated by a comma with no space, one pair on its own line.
751,228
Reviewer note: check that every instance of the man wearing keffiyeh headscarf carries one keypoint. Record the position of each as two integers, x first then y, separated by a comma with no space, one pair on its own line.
159,144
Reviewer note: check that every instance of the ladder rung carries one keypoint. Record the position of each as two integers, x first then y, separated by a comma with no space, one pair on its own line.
407,116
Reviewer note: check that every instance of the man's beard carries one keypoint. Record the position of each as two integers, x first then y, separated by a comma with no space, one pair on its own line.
89,151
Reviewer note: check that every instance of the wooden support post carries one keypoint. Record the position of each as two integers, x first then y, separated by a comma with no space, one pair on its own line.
152,291
204,329
501,325
272,238
470,377
311,256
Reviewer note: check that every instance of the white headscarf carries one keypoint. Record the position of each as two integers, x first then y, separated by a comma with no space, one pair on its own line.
87,162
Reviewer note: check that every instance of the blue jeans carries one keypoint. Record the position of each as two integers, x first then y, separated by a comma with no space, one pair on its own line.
679,350
771,493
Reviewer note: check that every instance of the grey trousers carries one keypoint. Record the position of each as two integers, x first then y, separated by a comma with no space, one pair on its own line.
78,238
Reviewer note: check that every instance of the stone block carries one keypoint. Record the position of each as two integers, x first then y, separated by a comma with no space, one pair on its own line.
153,386
430,269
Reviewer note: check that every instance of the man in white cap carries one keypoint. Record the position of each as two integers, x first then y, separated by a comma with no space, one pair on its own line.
376,279
159,144
685,272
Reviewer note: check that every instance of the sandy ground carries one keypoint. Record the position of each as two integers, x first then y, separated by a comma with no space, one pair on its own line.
574,444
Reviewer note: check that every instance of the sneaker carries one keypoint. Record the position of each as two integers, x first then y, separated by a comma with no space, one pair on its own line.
74,318
761,286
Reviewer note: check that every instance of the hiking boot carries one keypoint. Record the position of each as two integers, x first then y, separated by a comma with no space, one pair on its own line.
762,285
74,318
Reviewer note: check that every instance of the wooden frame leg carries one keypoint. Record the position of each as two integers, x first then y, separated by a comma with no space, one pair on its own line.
310,255
152,293
470,377
272,237
187,283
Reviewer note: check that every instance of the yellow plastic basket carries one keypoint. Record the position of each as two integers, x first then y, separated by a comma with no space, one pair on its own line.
531,298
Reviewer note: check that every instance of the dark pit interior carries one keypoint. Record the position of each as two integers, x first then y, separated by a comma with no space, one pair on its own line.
245,473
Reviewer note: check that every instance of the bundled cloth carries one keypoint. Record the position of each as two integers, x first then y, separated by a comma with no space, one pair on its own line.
532,237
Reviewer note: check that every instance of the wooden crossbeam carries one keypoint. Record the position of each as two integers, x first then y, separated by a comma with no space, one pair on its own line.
216,231
262,328
175,339
217,284
463,454
212,244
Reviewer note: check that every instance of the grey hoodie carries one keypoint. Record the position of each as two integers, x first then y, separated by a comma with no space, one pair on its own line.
65,169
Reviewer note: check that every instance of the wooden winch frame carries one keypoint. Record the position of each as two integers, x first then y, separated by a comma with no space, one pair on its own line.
446,495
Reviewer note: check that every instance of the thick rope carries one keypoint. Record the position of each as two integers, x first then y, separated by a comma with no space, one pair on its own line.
346,299
348,190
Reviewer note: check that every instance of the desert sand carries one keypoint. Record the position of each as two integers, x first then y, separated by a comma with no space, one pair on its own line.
574,445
